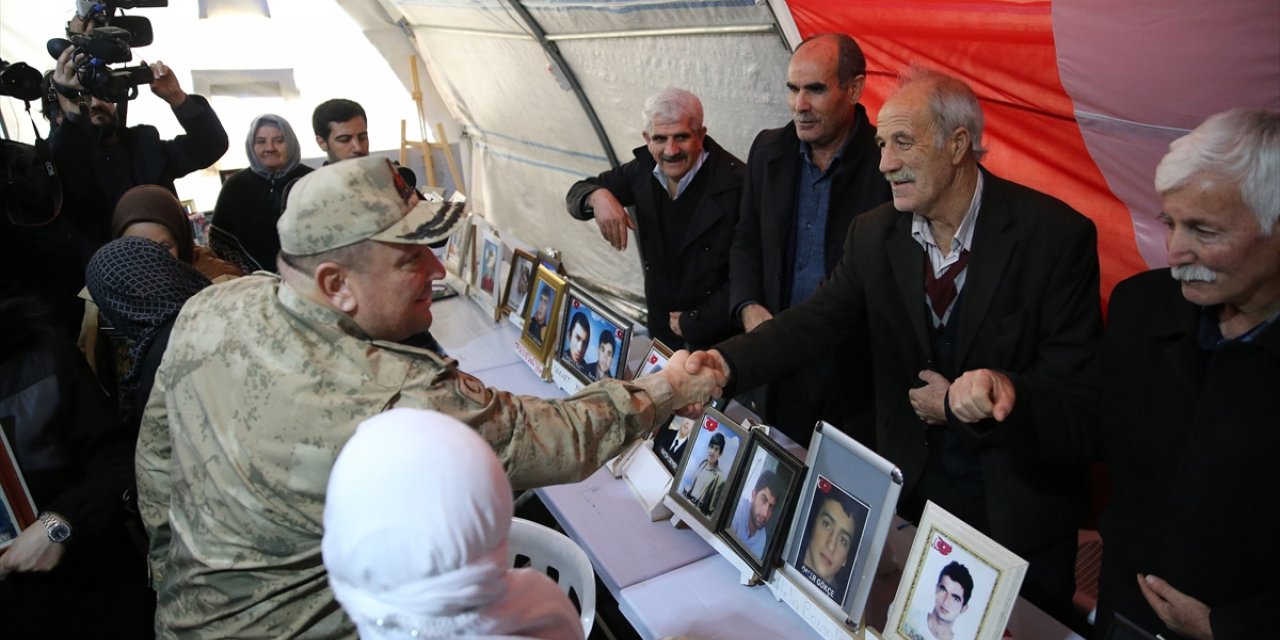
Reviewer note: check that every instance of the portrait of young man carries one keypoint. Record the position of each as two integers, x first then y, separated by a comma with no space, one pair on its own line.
831,537
950,600
704,484
537,327
670,442
753,520
576,340
607,349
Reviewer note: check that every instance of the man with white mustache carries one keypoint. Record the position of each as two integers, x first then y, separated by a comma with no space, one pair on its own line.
806,182
963,270
1185,422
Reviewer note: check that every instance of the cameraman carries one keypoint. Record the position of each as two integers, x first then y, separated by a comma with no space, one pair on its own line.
100,160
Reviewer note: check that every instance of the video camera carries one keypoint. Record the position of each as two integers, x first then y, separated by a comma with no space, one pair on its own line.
110,42
20,81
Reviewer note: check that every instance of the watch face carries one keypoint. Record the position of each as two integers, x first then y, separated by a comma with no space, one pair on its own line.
59,532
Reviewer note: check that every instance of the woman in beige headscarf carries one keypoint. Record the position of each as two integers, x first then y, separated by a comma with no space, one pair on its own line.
152,212
415,537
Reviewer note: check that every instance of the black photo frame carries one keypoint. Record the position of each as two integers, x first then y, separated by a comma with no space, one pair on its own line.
519,282
701,485
592,330
768,481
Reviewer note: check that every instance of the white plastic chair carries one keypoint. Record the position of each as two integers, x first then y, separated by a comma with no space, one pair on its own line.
546,547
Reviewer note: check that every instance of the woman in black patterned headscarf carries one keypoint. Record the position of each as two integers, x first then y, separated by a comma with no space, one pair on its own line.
140,287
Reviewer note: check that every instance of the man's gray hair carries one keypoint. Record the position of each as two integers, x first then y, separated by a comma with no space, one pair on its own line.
1241,144
672,105
951,103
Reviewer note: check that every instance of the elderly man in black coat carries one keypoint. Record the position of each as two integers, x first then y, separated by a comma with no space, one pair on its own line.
962,271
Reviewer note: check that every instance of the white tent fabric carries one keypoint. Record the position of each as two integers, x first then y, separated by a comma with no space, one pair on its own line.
532,139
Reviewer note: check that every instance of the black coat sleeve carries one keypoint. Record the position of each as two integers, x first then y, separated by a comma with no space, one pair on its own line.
90,427
618,181
1057,395
203,143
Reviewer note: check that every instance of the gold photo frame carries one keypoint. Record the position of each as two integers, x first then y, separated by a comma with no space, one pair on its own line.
542,313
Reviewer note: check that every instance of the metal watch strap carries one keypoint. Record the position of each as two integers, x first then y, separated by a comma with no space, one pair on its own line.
55,526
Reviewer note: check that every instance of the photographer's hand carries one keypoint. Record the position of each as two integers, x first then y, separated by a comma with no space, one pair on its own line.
64,70
64,74
165,85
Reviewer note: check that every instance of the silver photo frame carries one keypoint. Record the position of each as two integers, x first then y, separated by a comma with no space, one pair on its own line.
851,491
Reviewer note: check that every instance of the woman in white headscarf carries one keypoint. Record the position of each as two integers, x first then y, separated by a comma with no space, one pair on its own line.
416,521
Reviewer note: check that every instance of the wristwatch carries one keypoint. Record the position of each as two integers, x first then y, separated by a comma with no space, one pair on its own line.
57,527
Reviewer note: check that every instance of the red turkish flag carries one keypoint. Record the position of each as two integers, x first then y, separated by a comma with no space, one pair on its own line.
942,546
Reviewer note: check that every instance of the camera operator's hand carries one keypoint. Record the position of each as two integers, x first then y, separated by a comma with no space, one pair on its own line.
64,74
64,70
166,85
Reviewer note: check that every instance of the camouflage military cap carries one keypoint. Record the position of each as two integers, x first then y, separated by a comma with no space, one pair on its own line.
359,199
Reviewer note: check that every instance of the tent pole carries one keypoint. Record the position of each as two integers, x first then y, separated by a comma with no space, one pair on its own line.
553,52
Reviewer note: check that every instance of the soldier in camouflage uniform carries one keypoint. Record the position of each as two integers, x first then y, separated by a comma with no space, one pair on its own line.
264,379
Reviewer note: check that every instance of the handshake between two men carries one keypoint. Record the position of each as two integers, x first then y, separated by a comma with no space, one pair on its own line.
693,385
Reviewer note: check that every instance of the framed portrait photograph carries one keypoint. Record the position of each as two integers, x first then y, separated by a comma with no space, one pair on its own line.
17,509
956,583
844,510
757,515
830,538
547,294
457,251
519,281
485,277
593,345
672,440
654,360
702,480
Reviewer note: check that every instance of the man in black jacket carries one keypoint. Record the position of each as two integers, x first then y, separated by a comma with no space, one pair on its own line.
99,159
685,189
806,182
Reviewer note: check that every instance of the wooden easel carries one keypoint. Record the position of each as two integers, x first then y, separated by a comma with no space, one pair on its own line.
422,144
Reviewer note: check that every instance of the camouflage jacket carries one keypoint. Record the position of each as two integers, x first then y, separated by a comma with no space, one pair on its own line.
258,390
